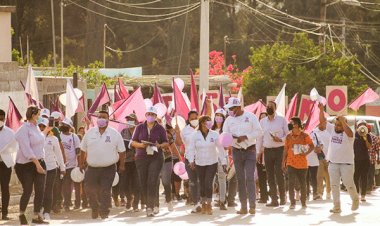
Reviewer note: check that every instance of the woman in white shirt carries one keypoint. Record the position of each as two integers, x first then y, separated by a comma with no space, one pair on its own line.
53,159
204,153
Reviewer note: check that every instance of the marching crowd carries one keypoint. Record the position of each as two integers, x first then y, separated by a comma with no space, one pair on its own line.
262,153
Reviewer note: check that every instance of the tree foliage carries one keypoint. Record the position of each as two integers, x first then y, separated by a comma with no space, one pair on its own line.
302,65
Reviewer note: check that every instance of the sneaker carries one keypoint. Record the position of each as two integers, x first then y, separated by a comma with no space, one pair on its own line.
304,206
252,211
196,209
222,206
242,211
317,197
149,212
116,201
292,206
297,196
39,220
67,209
23,220
363,199
272,204
94,214
136,209
156,210
328,196
76,207
47,216
122,202
170,206
262,201
336,210
282,202
232,204
355,204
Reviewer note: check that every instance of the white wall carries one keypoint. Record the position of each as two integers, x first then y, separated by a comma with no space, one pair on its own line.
5,37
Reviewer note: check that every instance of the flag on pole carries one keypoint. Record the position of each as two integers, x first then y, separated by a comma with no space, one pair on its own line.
123,92
180,105
256,108
102,98
134,104
116,95
221,96
292,108
194,99
81,105
280,101
366,97
31,85
29,99
14,117
240,96
72,101
313,119
157,97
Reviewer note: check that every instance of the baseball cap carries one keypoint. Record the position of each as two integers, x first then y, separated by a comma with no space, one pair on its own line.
151,109
232,102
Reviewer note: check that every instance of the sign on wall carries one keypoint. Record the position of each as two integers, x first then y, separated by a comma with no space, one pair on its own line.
336,97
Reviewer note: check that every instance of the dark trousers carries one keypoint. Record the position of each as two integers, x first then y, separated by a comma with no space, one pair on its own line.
371,177
262,174
5,178
312,179
29,178
67,189
48,194
132,184
300,175
273,165
232,189
98,184
193,183
245,162
206,178
57,191
149,170
361,174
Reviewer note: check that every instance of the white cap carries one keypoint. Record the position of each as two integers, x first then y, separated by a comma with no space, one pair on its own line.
221,111
56,114
151,109
68,122
362,121
45,112
44,121
232,102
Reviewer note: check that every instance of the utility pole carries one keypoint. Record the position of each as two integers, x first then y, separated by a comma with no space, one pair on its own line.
104,45
225,50
53,33
75,85
27,50
21,52
62,38
344,35
204,46
323,20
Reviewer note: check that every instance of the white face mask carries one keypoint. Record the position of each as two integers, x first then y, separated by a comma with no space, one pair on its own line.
194,123
1,123
131,123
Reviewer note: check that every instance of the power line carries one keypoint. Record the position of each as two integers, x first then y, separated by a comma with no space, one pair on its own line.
135,49
137,6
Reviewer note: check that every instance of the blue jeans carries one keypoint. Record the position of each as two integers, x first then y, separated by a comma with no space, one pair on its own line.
245,161
193,183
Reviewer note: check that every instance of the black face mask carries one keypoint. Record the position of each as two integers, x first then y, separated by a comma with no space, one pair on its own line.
56,124
270,111
290,126
64,129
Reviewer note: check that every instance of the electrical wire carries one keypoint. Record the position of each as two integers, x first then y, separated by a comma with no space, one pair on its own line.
134,21
141,15
145,7
134,4
135,49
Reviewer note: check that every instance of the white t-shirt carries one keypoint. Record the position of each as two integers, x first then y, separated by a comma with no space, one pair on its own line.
243,125
341,147
102,149
312,159
70,143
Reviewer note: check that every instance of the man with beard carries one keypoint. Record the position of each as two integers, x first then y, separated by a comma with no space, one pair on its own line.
341,160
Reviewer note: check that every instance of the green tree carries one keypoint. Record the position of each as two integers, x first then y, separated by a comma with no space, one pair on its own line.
302,65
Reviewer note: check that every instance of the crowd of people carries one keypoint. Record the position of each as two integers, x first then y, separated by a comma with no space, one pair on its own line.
265,152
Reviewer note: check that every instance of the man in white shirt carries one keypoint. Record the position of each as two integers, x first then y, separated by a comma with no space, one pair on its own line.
102,148
275,129
71,143
245,128
321,140
341,160
7,136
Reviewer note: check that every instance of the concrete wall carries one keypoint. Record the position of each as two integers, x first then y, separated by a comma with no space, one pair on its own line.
5,37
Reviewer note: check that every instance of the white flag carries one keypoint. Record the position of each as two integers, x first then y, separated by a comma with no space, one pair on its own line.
241,97
31,85
280,102
72,100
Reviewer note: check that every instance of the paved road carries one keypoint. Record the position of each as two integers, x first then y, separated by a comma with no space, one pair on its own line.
317,213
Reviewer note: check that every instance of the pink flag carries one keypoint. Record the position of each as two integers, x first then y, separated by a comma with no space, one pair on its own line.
179,102
292,108
81,105
157,97
313,119
256,108
193,94
119,126
29,99
221,96
366,97
102,98
116,94
134,104
14,117
123,92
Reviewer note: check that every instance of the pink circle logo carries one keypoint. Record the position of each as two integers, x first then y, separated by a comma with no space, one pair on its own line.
336,105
